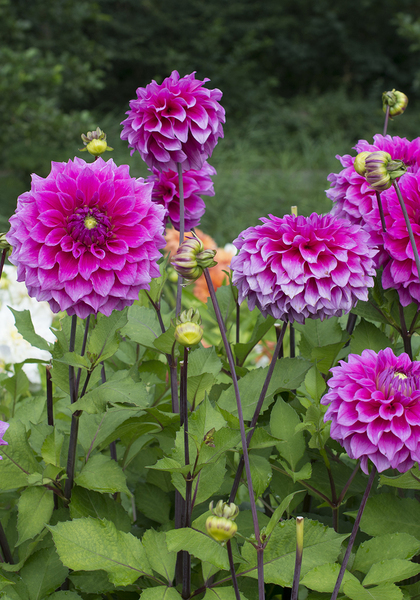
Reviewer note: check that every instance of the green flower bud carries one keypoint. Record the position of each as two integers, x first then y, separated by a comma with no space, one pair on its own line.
397,102
95,142
188,334
225,509
221,529
4,243
191,259
359,163
381,170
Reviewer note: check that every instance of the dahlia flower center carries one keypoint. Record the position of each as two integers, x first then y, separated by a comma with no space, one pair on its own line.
89,226
396,382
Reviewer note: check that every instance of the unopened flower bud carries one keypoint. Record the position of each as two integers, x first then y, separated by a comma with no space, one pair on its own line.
381,170
397,102
191,259
227,510
221,529
188,330
3,242
359,163
95,142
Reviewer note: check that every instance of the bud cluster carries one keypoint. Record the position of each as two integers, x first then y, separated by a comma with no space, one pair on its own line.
188,330
379,169
191,259
95,142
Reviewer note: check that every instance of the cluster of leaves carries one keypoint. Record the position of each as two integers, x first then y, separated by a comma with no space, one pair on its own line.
115,538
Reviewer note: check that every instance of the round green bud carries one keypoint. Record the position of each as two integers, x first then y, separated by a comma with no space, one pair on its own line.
221,529
359,163
376,170
397,102
95,142
191,259
228,510
188,334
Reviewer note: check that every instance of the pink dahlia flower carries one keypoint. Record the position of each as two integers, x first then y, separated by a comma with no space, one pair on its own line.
303,267
3,428
196,184
86,238
400,271
178,121
353,197
374,409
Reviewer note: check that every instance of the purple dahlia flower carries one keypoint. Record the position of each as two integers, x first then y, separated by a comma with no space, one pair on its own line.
374,409
353,197
86,238
3,428
303,267
196,184
400,271
178,121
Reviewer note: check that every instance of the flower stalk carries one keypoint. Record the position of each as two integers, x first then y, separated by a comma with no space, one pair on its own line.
299,554
408,224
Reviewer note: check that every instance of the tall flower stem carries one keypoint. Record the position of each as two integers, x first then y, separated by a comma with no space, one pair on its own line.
404,333
258,410
335,504
186,520
242,429
72,341
4,545
85,336
50,402
386,120
232,570
292,342
408,224
299,554
353,533
181,232
381,210
2,260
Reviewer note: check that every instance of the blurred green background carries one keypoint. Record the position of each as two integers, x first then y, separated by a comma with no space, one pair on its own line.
302,82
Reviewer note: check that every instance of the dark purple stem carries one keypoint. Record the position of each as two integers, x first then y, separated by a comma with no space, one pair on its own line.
240,416
50,401
346,487
181,232
257,411
2,260
381,210
85,336
353,534
292,342
232,570
298,565
4,545
409,228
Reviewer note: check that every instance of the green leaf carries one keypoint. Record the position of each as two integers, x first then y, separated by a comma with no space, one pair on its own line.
321,545
165,342
160,559
221,593
35,508
210,480
4,582
318,334
261,473
87,503
25,327
65,596
283,421
199,545
18,458
103,339
383,547
324,577
43,573
385,513
198,387
355,591
260,329
368,311
142,326
367,335
262,439
114,392
51,448
406,481
226,303
93,582
278,513
91,544
204,360
390,571
102,474
288,374
153,502
160,593
75,360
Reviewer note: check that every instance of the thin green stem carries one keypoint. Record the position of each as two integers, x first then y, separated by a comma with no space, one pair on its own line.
353,534
386,120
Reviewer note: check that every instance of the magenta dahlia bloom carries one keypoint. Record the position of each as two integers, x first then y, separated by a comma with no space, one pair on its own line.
303,267
400,271
353,197
3,428
86,238
178,121
374,409
196,184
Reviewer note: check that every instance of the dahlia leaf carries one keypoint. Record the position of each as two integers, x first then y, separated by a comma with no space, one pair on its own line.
283,422
385,513
204,360
102,474
104,339
209,481
260,329
92,544
87,503
321,545
114,392
407,481
142,326
35,507
18,458
262,439
199,545
25,327
384,547
95,582
323,577
160,593
367,335
261,473
315,333
278,513
391,571
204,419
43,573
355,591
222,593
153,502
226,302
370,312
161,560
98,430
75,360
165,341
